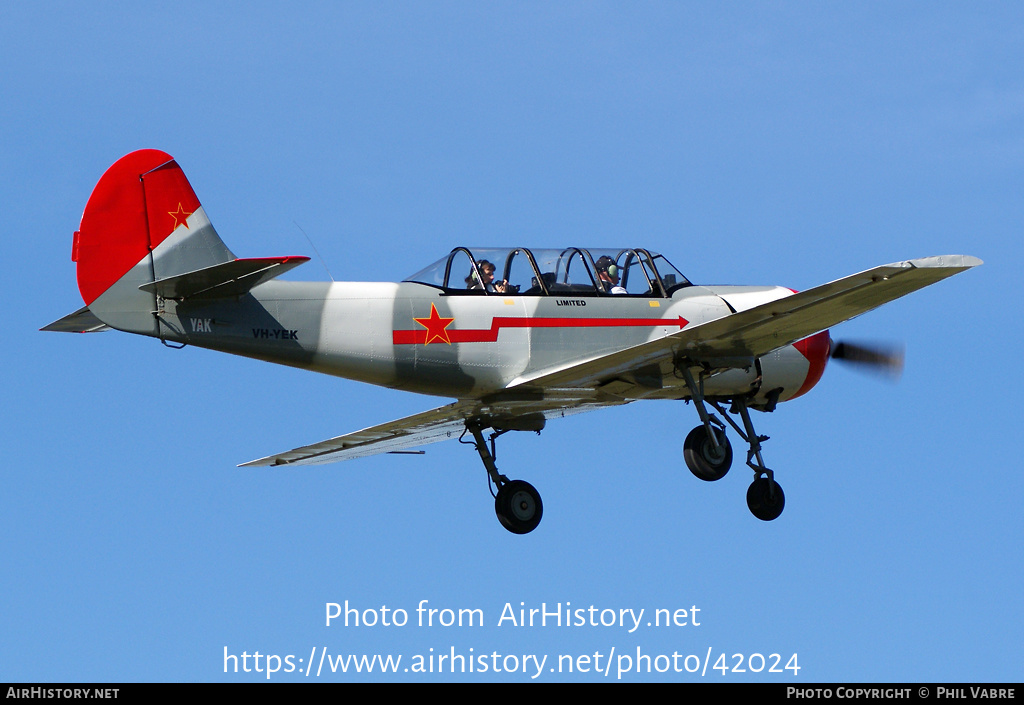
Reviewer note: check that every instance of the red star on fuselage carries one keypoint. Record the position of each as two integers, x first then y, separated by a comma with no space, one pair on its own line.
180,217
436,327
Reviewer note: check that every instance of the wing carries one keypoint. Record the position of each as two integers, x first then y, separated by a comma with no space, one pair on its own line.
728,341
505,412
734,340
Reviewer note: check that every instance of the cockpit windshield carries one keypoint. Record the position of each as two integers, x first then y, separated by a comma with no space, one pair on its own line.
573,271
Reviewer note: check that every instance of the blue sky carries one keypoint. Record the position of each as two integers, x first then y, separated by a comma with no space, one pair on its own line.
766,143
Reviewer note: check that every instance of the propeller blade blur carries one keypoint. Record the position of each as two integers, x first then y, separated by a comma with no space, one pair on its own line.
882,359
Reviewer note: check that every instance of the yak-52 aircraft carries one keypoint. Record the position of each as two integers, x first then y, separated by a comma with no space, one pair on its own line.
518,336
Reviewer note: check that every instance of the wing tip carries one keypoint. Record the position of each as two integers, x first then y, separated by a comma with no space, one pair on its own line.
945,262
260,462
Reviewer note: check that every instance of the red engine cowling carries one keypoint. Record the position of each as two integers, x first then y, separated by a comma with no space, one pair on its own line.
792,371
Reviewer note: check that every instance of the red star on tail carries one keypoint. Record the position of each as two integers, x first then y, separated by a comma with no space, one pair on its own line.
180,217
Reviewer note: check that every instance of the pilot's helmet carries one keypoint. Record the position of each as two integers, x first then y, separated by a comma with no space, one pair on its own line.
607,264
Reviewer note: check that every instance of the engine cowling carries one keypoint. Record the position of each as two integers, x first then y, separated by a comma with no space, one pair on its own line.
792,371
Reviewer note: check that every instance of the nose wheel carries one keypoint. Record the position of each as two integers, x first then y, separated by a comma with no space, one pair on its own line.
765,498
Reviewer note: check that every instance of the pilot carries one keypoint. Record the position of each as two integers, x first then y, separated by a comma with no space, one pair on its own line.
488,283
608,273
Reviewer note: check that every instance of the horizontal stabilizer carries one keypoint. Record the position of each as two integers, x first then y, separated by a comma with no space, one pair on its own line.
225,280
81,321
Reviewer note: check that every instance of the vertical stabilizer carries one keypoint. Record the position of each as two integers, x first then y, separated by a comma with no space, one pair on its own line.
143,222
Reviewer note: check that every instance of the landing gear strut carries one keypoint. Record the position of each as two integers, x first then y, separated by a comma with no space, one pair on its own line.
708,453
516,503
765,498
707,450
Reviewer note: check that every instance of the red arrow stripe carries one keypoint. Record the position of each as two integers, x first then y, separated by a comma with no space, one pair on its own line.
490,335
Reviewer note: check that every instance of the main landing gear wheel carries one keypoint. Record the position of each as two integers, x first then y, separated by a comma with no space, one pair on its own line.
765,499
706,461
516,503
518,507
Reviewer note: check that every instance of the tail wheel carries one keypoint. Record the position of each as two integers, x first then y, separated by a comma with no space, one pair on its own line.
702,457
518,507
765,499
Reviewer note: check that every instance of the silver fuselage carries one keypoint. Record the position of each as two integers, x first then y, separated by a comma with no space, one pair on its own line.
419,338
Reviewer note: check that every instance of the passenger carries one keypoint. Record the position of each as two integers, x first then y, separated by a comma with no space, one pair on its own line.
608,273
488,283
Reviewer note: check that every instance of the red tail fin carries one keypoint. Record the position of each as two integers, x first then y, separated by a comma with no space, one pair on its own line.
138,203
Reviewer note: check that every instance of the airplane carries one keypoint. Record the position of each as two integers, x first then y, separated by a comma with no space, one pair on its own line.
518,336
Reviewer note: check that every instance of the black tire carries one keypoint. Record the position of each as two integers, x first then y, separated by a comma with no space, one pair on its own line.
704,460
518,507
765,504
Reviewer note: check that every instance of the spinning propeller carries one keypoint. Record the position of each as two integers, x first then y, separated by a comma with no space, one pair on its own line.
883,359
